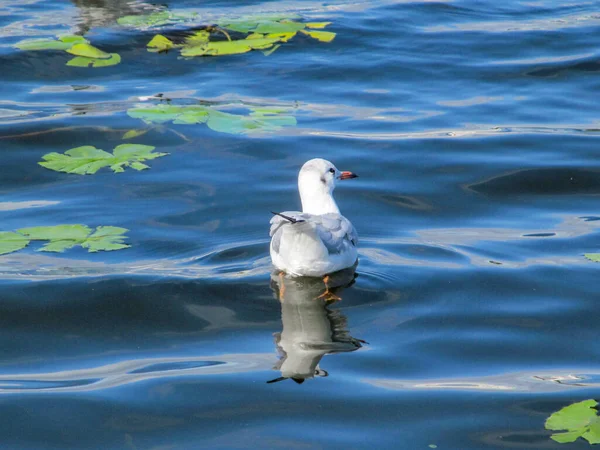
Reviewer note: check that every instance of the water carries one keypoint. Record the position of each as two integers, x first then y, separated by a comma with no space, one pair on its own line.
474,129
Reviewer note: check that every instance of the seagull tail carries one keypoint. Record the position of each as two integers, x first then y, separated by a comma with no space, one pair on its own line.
288,218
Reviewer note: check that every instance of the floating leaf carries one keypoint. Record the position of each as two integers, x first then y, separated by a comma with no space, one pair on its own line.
63,237
283,37
579,419
323,36
82,61
593,256
11,242
89,51
317,24
73,39
198,38
159,43
42,44
263,119
157,114
218,48
88,160
56,232
106,239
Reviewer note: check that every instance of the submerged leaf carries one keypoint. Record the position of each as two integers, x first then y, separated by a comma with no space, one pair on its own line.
279,27
82,61
88,160
159,43
323,36
593,256
11,242
135,133
152,20
579,419
89,51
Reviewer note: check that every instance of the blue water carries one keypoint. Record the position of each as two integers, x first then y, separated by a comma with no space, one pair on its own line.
474,127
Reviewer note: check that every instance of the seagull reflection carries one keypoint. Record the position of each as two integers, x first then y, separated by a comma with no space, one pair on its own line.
310,328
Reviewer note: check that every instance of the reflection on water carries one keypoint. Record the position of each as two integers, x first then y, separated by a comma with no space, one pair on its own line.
310,328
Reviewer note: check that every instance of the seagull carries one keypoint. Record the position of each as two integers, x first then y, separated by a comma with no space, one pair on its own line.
319,240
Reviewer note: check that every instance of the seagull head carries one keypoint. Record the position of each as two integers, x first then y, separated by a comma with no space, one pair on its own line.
316,182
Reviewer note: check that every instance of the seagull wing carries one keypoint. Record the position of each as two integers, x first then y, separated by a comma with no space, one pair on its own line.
334,230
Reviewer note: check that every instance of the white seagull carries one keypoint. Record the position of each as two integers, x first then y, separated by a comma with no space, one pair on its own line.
319,240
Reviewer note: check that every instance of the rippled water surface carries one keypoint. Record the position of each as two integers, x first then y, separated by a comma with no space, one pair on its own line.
473,313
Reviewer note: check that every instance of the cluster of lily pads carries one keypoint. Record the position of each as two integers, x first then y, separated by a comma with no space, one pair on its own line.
259,120
580,420
86,55
87,159
595,257
263,33
63,237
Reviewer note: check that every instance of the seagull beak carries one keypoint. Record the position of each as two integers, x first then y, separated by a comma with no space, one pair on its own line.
347,175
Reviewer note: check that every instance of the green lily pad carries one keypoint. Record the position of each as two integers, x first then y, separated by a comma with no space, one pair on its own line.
42,44
64,237
106,239
317,24
82,61
61,237
89,51
88,160
11,242
261,119
159,43
579,419
593,256
73,39
323,36
218,48
157,114
198,38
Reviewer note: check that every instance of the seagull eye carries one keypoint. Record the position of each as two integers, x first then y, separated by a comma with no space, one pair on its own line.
332,170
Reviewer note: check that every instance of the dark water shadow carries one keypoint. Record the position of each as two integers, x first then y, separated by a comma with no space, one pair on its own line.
311,329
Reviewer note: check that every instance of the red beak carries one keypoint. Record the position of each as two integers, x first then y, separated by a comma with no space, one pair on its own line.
347,175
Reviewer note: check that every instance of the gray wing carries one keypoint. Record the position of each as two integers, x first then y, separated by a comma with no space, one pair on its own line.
334,230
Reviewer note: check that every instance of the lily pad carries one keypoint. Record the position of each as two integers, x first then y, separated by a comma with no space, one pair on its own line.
317,24
61,237
106,239
88,159
11,242
64,237
82,61
159,43
198,38
593,256
89,51
323,36
62,43
579,419
261,119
